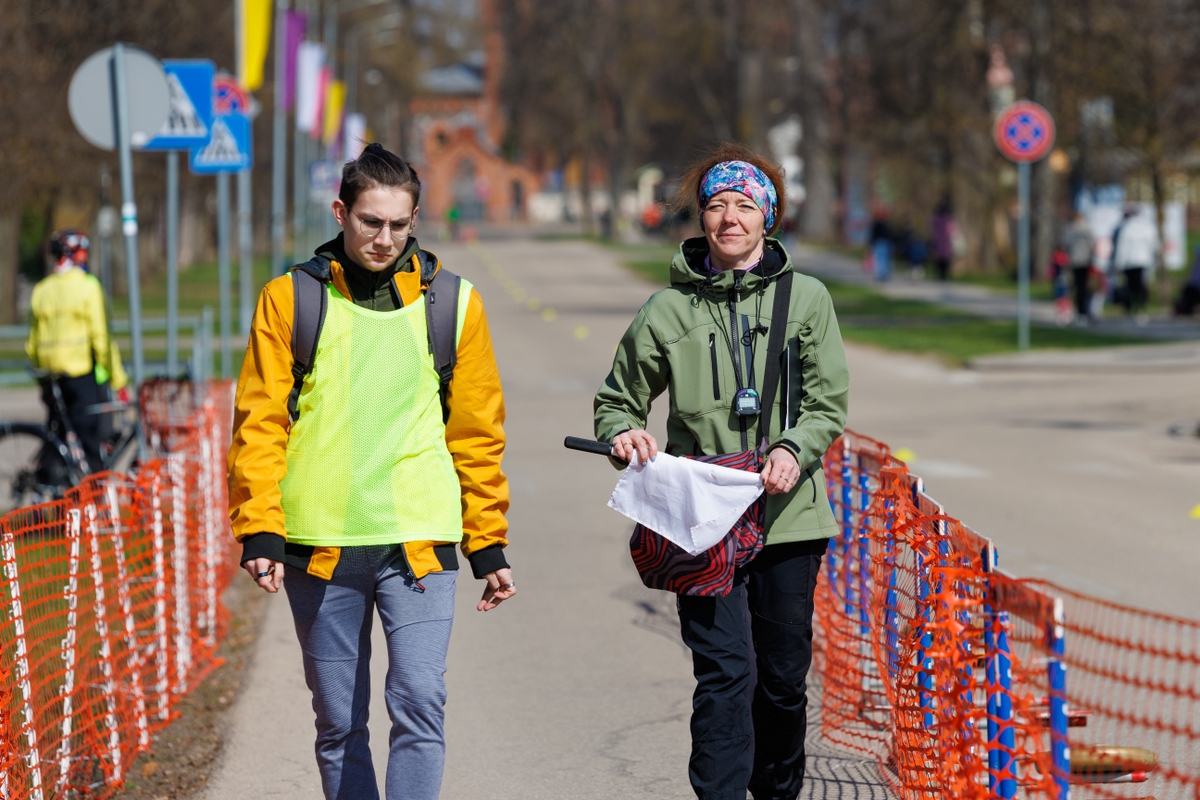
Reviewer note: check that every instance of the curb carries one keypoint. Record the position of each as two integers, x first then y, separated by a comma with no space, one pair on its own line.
1125,358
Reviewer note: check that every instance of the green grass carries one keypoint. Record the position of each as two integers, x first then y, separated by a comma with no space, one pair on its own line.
198,287
909,326
916,327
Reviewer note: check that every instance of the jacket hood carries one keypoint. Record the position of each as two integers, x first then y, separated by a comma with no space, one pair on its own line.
320,266
688,268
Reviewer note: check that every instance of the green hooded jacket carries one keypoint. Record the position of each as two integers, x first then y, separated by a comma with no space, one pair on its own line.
679,342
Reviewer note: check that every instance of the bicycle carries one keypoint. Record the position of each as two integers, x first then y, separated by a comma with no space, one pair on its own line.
38,465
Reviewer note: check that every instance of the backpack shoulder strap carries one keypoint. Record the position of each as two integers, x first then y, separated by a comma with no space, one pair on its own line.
441,316
307,320
775,343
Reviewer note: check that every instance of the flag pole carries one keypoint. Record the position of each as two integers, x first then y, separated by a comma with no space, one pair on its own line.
279,143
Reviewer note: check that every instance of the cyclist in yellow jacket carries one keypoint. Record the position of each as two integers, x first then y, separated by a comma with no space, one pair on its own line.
362,499
69,338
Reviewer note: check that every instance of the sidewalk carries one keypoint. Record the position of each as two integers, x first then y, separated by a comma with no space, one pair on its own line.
974,299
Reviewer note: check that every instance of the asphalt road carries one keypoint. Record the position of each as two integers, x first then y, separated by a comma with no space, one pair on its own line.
579,687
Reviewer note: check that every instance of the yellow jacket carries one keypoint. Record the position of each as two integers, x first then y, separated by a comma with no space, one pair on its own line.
474,430
68,329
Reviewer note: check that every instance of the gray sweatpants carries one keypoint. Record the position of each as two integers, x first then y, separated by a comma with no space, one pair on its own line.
333,622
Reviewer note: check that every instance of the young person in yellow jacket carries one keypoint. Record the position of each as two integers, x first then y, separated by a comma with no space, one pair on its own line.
360,502
69,338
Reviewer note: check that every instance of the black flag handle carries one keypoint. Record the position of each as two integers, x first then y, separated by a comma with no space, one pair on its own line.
589,446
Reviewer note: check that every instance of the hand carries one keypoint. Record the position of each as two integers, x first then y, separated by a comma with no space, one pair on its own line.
269,583
499,588
635,443
781,472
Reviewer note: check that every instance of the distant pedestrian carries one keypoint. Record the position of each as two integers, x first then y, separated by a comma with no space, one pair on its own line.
1135,255
943,232
881,245
1189,294
1079,244
917,249
362,478
1057,273
695,341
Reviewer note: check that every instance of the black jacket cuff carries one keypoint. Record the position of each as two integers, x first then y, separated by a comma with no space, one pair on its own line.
262,545
487,560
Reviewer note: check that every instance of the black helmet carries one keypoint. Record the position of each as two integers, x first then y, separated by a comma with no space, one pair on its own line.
73,243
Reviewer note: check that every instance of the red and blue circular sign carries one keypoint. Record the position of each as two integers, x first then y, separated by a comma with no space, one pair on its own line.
229,97
1024,132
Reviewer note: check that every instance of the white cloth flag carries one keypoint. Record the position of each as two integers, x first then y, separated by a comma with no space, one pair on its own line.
690,503
310,57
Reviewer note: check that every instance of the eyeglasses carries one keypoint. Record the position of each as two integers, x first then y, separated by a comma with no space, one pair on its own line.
372,227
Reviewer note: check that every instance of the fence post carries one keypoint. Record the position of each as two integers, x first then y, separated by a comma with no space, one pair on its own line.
1056,672
161,647
864,552
133,658
1001,737
924,663
840,561
27,725
113,773
68,652
182,615
208,485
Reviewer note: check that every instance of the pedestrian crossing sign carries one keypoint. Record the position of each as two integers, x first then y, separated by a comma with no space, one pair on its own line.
189,123
229,148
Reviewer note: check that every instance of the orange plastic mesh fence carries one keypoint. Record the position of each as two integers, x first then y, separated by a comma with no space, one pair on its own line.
1134,676
964,682
111,603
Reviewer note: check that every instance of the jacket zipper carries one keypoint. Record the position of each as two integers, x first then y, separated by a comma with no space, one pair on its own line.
712,352
733,341
420,587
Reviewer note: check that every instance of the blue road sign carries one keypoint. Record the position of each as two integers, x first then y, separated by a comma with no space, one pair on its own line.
189,125
228,150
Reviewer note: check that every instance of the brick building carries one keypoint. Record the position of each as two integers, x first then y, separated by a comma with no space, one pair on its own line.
457,129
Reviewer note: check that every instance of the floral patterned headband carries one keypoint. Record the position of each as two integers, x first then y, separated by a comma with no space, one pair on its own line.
741,176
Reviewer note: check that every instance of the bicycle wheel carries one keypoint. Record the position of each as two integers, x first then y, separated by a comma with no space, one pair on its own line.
32,467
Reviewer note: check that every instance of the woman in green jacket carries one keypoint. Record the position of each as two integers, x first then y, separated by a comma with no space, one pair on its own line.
748,719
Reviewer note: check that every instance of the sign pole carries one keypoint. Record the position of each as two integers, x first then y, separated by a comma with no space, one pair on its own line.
279,144
172,263
1024,133
299,197
1023,256
223,274
129,222
245,254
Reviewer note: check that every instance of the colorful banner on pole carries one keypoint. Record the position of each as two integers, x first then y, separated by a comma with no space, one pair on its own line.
335,99
354,136
310,59
295,26
256,38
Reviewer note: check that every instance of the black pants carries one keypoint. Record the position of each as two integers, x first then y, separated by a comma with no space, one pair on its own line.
751,652
941,268
78,394
1083,291
1135,289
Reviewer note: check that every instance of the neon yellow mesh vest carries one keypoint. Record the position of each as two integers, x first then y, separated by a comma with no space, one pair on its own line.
366,460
